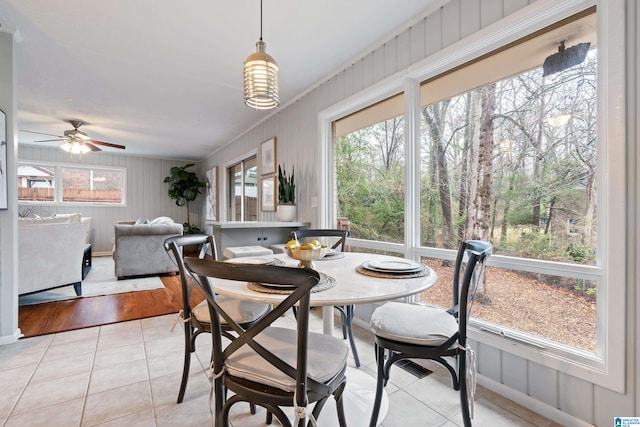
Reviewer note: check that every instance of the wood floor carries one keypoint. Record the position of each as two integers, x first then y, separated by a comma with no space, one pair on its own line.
60,316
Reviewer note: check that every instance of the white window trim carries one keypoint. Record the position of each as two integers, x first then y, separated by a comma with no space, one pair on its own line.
224,182
57,198
607,367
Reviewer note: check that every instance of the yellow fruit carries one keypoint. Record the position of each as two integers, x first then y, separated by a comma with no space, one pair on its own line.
307,247
292,244
316,244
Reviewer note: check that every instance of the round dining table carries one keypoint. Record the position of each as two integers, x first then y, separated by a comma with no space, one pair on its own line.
351,284
350,287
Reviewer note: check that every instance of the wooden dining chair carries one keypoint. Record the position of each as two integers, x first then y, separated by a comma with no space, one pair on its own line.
338,242
417,331
266,365
196,319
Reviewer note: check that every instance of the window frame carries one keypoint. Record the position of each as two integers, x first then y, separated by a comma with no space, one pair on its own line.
224,197
607,366
58,189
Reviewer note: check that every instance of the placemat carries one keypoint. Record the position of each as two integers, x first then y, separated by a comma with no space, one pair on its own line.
422,273
325,283
337,255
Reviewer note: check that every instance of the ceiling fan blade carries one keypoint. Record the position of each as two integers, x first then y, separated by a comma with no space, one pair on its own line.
39,133
108,144
51,140
92,147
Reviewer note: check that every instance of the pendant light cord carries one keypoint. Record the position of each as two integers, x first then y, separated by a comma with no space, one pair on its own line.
260,19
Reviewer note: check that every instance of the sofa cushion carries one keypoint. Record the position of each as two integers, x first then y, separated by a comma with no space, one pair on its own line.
45,220
142,221
162,220
73,217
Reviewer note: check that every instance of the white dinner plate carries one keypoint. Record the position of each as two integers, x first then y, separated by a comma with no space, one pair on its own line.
393,266
259,260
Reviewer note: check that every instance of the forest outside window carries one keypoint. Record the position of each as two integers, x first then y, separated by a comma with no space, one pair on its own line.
513,160
370,174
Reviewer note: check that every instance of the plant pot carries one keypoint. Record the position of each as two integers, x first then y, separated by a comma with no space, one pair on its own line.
287,213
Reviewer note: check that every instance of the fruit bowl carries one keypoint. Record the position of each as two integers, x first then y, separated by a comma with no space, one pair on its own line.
306,256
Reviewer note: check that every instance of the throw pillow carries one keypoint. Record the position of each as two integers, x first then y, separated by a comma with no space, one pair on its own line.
142,221
162,220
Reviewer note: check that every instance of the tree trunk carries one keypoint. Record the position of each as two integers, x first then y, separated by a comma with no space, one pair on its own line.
590,208
464,163
482,201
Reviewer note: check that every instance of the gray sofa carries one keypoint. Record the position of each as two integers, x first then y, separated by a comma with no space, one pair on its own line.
138,247
50,253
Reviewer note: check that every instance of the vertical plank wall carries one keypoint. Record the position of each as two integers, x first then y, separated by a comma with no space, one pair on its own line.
146,193
567,399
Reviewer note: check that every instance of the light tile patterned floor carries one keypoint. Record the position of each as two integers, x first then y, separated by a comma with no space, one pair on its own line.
128,374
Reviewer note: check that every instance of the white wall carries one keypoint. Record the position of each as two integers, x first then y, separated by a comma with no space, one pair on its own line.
9,331
146,192
567,399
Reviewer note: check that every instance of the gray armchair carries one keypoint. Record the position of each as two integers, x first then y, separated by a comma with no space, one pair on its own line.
139,248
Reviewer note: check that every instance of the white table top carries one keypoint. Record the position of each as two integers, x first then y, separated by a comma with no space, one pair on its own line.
351,287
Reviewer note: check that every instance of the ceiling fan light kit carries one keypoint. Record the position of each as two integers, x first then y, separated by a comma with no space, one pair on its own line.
261,77
76,141
75,147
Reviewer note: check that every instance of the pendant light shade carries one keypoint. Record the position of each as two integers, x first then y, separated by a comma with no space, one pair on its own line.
261,77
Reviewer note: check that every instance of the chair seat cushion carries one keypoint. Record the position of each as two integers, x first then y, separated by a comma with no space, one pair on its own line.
413,324
240,311
327,356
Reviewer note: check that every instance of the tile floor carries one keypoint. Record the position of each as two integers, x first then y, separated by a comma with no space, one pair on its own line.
128,374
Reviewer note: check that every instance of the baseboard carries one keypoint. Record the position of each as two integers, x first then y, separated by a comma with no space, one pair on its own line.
533,404
10,339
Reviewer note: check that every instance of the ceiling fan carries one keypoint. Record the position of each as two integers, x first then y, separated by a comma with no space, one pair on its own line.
77,141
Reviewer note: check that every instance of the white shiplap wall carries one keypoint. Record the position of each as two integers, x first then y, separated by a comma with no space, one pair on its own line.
146,192
567,399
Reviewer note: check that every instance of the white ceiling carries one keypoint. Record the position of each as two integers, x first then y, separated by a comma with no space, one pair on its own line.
164,77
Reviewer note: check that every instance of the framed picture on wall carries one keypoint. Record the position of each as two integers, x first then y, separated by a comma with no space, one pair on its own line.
212,194
268,157
3,162
268,193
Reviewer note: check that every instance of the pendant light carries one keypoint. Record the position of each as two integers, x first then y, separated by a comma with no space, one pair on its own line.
261,77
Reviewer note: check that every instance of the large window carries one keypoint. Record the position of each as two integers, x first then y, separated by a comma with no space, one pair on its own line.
370,171
242,177
504,154
514,162
39,182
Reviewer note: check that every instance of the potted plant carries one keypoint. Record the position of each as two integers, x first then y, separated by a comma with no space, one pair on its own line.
184,187
286,195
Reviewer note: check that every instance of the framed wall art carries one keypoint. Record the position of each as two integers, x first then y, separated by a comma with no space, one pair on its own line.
3,162
212,194
268,157
268,194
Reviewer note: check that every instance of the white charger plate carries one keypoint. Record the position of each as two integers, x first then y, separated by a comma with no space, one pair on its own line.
393,266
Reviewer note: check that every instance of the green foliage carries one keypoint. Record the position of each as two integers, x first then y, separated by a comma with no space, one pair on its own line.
579,253
286,187
184,187
191,228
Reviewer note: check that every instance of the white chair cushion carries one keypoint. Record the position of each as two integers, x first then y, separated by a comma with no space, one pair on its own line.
326,358
413,324
242,251
240,311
